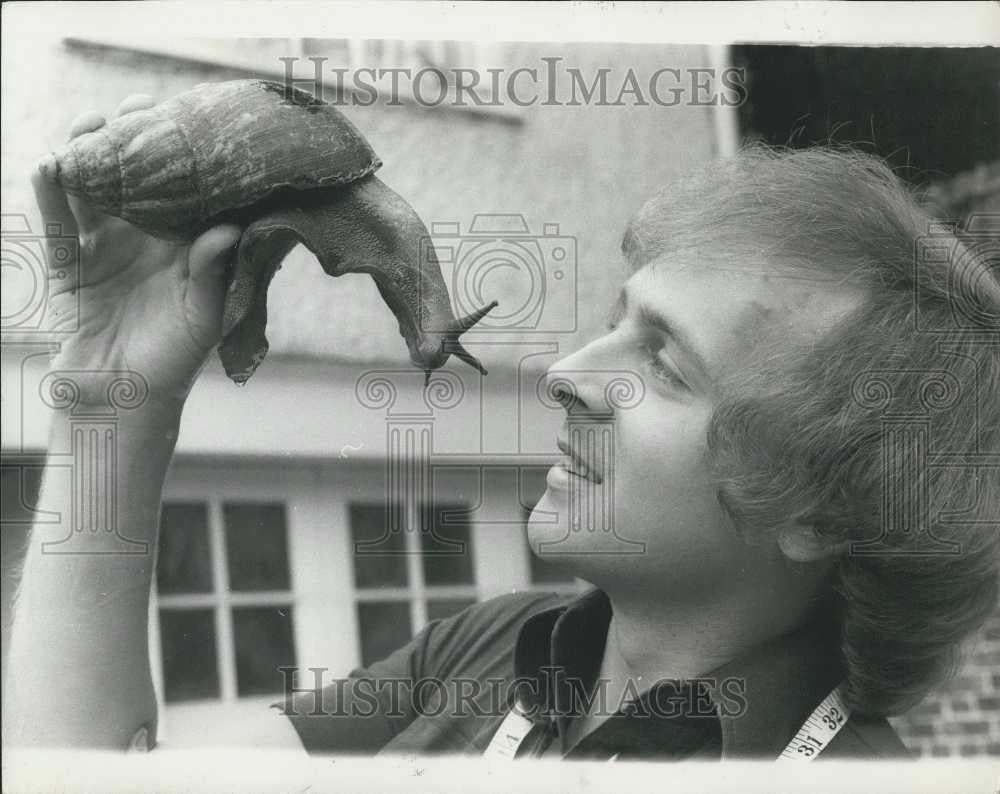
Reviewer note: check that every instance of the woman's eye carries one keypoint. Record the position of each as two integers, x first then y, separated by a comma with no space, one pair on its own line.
662,370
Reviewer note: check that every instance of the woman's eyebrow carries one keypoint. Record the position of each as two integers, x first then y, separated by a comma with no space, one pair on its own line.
651,318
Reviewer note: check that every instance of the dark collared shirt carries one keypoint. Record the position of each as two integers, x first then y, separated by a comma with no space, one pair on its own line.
449,689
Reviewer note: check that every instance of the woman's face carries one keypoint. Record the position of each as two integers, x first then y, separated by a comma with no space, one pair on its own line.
633,503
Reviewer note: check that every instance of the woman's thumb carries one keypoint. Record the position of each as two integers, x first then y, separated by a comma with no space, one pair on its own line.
210,253
208,263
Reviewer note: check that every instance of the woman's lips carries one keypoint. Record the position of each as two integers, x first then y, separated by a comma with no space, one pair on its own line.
559,477
576,466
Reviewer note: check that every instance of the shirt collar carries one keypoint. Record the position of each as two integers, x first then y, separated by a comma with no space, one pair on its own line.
761,698
568,638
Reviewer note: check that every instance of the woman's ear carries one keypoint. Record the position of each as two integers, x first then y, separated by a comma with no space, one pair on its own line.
802,543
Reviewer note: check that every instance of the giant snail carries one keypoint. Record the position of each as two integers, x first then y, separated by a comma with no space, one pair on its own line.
287,167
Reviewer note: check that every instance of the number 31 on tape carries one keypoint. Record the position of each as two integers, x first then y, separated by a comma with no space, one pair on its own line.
818,731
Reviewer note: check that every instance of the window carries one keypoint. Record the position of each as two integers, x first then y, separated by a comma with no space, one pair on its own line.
262,566
404,579
224,599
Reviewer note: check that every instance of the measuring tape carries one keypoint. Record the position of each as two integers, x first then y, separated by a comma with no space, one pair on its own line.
812,738
509,735
818,731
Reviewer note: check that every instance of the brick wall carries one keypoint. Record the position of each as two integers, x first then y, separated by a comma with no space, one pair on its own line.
961,718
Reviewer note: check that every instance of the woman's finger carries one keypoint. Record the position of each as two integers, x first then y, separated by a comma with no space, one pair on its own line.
87,218
135,102
208,262
210,252
61,216
84,123
57,217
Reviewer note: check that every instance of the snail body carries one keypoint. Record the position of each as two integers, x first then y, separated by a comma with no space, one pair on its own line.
290,169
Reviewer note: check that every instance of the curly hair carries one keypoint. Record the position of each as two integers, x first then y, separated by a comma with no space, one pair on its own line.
871,435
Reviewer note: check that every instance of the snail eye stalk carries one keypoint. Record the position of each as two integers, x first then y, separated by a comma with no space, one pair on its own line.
459,327
454,347
463,324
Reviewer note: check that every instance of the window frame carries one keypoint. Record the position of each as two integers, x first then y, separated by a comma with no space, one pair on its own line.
416,591
216,485
317,497
221,600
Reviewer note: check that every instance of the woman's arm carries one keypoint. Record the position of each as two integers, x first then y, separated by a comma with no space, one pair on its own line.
78,671
79,668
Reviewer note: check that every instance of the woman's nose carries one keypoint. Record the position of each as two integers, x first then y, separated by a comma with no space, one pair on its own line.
587,382
562,388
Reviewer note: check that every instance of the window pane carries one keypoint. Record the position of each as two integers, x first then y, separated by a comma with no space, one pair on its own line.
18,499
256,546
384,627
187,637
379,555
264,642
184,564
448,551
438,608
20,493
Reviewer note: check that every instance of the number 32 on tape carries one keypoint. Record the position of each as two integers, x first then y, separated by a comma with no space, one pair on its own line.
818,731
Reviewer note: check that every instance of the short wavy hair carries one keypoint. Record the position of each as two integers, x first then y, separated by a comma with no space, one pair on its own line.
837,433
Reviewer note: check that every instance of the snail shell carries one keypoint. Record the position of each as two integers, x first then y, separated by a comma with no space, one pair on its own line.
290,169
174,169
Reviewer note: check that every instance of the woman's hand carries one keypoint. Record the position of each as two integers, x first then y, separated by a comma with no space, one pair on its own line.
138,303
